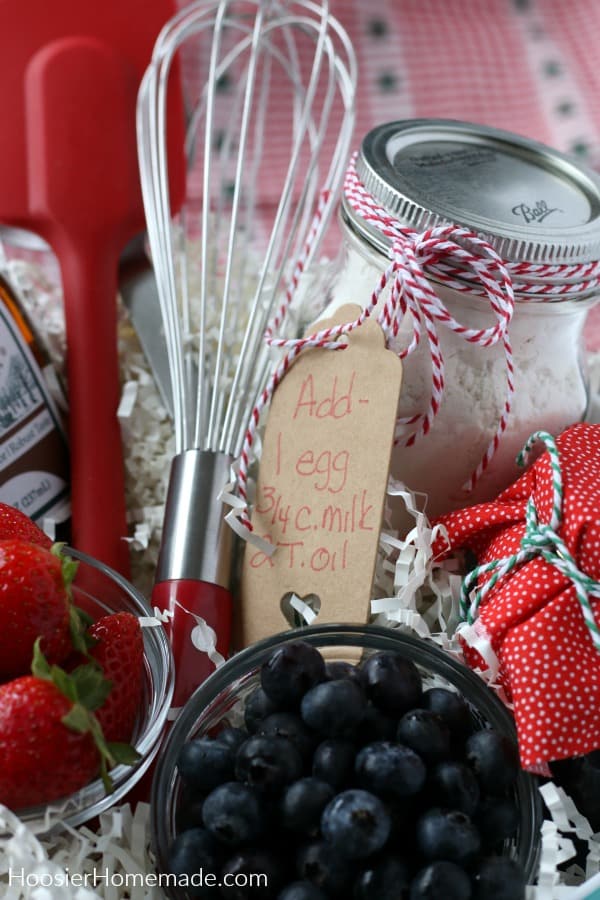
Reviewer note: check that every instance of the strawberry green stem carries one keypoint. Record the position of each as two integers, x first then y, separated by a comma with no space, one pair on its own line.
79,621
68,566
87,689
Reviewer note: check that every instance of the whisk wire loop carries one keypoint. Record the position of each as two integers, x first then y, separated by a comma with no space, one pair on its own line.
270,114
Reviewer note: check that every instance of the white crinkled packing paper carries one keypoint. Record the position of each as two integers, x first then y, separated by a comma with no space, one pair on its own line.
411,592
78,864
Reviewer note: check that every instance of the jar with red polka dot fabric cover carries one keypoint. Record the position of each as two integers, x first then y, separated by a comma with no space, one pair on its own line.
532,606
478,251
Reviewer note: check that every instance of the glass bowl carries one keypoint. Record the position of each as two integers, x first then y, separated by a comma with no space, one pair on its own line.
99,590
222,693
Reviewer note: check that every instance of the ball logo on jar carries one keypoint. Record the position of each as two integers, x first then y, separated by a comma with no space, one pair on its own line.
536,213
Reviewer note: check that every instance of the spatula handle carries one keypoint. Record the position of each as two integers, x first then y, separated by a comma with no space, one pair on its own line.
97,472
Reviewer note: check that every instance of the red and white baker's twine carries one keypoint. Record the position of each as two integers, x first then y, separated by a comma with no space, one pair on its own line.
451,255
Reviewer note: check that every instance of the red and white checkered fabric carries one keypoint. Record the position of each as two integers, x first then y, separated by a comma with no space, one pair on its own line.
529,66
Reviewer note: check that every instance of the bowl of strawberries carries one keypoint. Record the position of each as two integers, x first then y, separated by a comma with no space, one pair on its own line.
86,680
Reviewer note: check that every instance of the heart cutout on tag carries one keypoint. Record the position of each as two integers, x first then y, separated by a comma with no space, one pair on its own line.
300,611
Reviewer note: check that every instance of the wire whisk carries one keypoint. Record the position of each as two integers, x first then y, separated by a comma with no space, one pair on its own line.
269,106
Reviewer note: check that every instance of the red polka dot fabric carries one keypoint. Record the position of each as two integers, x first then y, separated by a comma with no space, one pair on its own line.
532,618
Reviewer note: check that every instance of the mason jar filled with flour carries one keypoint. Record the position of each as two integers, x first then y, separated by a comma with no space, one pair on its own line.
478,252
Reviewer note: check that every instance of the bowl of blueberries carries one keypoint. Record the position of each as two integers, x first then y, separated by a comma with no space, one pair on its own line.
344,761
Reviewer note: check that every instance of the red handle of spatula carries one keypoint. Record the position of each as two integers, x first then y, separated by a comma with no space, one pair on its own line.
84,194
97,472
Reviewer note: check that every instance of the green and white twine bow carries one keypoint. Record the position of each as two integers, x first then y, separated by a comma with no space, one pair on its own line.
542,540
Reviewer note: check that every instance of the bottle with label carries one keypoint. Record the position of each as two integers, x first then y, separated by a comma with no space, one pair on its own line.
34,458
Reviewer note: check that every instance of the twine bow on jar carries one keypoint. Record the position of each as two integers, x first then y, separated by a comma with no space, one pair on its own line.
411,255
449,255
540,539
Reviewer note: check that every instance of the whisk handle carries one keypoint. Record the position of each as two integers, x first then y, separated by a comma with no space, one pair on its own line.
190,599
194,567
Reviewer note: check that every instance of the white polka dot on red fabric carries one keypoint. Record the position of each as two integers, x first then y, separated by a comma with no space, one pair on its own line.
549,665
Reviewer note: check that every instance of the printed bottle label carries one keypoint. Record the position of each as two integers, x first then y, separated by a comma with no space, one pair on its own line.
34,465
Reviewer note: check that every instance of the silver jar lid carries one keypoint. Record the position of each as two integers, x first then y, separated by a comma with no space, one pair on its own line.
529,201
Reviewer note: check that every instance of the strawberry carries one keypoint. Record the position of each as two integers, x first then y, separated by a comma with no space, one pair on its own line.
34,602
50,741
15,524
42,759
120,653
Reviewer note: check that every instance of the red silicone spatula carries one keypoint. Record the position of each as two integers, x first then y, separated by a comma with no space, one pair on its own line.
69,173
83,197
130,27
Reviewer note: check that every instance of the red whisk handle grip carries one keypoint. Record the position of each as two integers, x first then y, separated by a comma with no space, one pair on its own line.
194,608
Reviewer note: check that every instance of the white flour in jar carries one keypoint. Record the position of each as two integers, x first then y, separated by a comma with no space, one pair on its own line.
550,387
449,190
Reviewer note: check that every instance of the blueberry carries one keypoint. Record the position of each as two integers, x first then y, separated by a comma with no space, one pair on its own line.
320,864
494,759
498,878
301,890
447,834
334,708
290,672
425,733
233,814
205,763
377,726
391,682
192,851
356,824
333,761
336,669
388,768
454,786
497,819
268,763
303,803
450,707
289,725
386,878
258,873
257,707
441,880
232,737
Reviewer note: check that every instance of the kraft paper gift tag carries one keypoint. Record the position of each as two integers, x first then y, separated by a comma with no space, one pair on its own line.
321,485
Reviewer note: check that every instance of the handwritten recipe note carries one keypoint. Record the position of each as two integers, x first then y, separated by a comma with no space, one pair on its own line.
322,480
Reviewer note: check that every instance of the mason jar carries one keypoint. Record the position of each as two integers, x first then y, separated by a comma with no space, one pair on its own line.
540,211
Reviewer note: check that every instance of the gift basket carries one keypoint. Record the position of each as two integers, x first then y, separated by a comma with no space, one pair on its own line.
333,631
